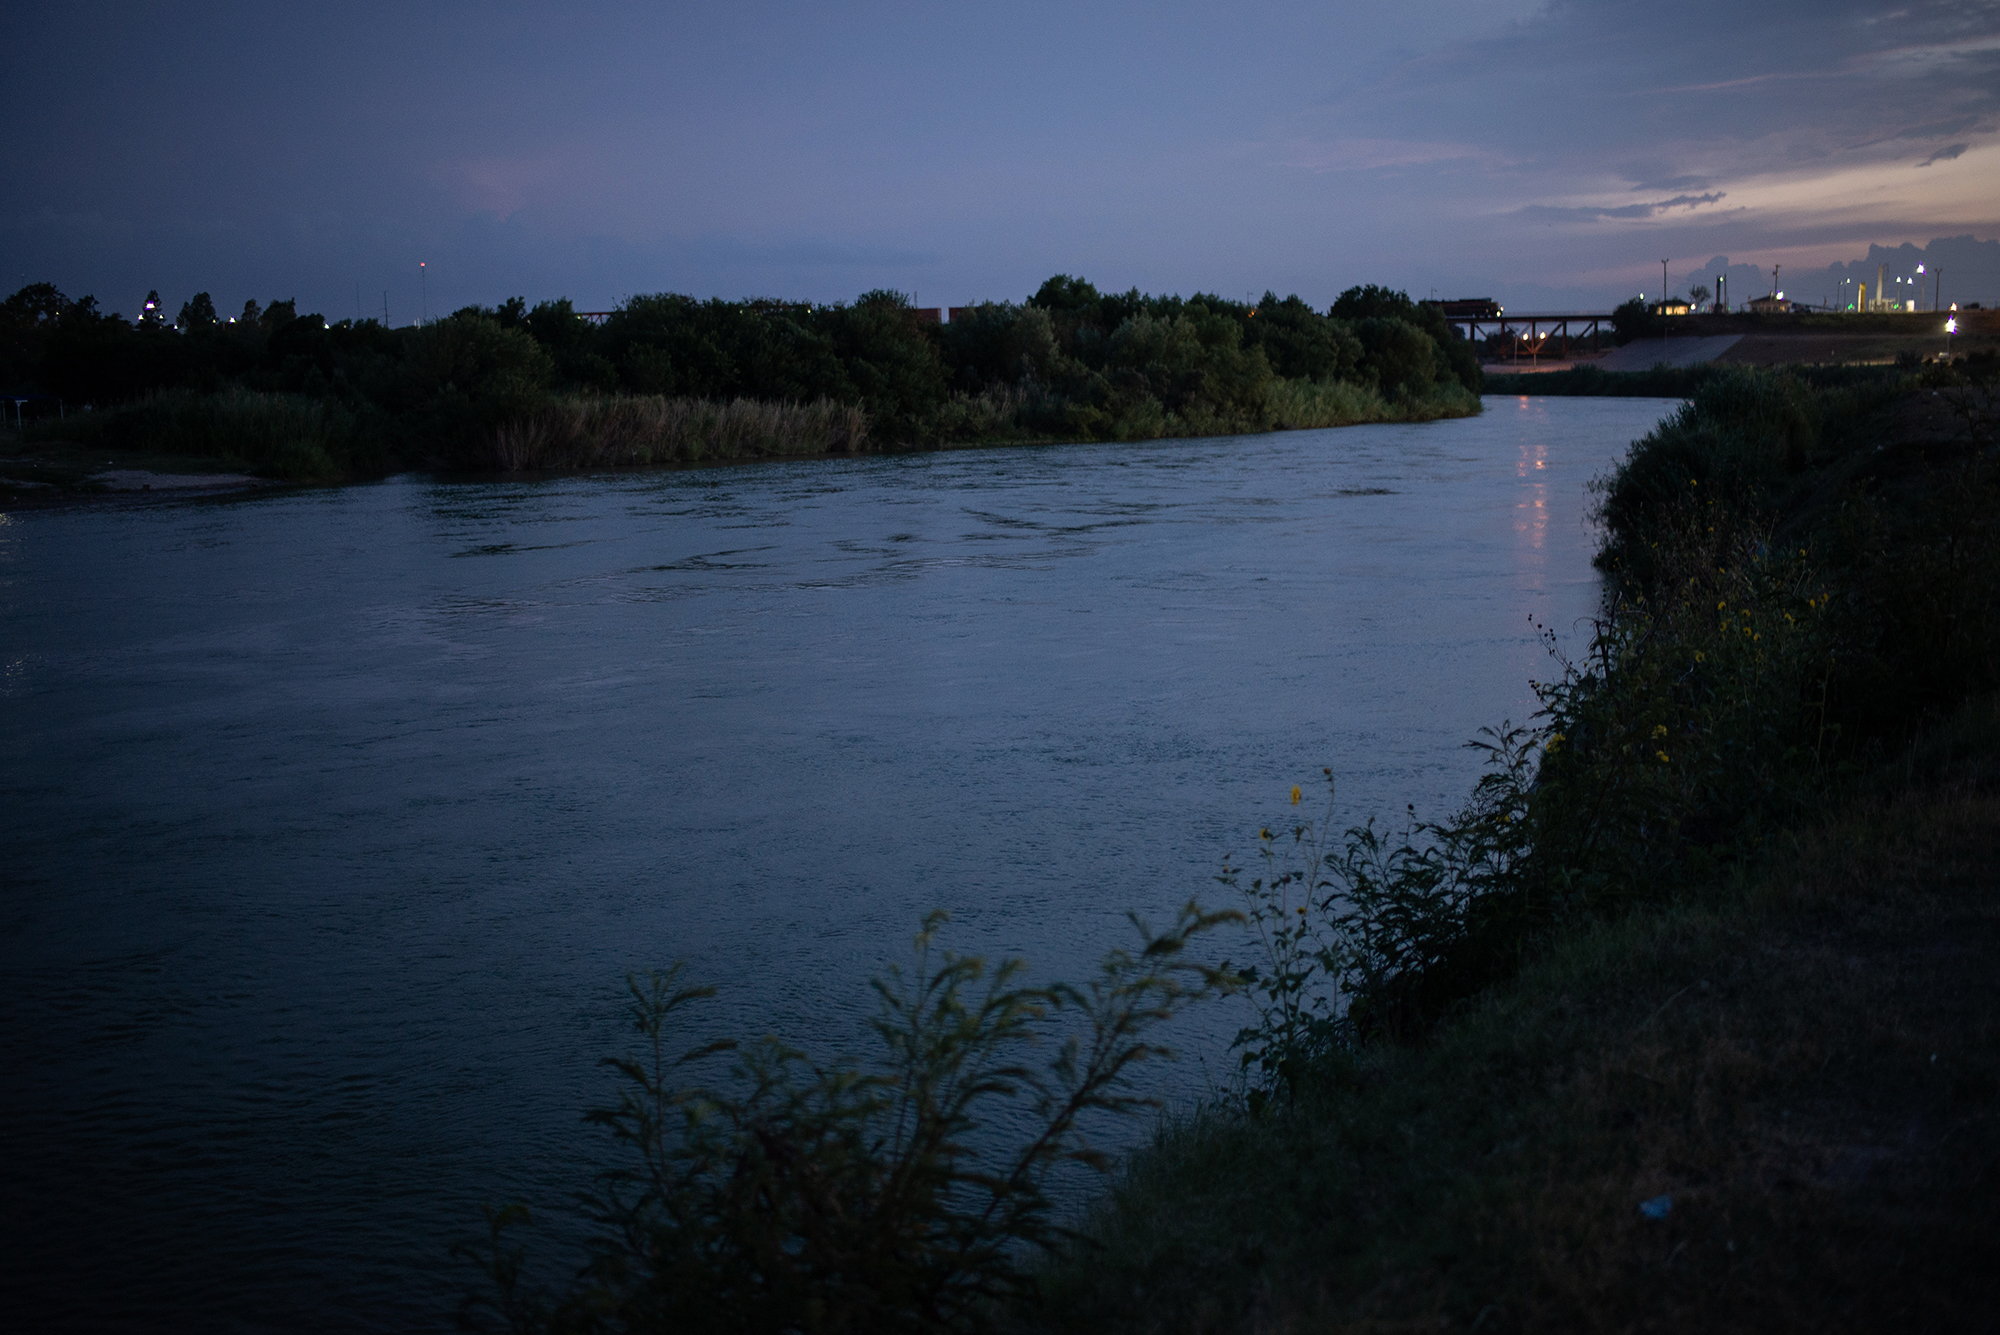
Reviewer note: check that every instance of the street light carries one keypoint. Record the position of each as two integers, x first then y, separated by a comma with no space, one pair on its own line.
1920,287
1950,328
1663,301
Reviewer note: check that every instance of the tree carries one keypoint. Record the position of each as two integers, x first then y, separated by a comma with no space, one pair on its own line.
1401,358
1069,295
150,315
198,311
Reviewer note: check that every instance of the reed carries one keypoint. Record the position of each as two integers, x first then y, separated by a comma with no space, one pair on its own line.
289,436
622,430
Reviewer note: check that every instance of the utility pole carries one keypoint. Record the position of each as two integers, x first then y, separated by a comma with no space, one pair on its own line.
424,277
1663,301
385,308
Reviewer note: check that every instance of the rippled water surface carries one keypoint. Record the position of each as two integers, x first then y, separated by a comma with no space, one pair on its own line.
333,819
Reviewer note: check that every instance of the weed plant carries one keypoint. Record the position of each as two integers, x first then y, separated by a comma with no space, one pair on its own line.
799,1196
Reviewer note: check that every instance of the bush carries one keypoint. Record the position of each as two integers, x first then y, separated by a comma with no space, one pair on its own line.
838,1198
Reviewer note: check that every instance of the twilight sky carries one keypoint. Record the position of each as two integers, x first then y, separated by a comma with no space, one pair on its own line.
1544,152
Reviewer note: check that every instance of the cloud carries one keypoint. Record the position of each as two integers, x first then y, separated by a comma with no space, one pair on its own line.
1555,213
1945,154
1671,183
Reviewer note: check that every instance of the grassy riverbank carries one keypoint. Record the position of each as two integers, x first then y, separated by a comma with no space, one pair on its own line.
1686,1022
1797,1067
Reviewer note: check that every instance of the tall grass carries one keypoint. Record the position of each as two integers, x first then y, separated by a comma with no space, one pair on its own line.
585,432
291,436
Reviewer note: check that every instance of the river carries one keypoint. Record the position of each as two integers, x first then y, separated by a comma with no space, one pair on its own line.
334,818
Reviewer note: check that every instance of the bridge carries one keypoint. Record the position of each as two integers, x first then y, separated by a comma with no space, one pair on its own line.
1534,328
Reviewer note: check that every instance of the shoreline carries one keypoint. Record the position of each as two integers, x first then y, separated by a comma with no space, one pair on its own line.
65,479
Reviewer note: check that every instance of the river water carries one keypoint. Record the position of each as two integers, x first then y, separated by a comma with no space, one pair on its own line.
333,819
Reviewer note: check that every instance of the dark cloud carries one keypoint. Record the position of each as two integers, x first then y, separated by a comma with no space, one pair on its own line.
1945,154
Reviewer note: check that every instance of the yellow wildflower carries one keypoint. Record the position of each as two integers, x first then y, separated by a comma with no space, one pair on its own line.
1295,798
1662,755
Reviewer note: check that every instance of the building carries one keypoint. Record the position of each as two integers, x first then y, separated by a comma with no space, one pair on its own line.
1772,305
1671,306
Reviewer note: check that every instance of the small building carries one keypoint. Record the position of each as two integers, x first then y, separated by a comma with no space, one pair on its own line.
1773,305
1671,306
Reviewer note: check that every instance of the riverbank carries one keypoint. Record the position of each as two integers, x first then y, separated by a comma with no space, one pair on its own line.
262,439
1686,1020
1773,1104
39,473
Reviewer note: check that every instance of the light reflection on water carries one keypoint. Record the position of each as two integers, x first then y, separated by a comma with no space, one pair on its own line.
334,818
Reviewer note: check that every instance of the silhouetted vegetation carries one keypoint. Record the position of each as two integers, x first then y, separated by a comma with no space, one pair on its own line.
1806,583
853,1197
514,386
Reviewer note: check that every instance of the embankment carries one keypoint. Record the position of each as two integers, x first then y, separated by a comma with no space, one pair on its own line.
1688,1023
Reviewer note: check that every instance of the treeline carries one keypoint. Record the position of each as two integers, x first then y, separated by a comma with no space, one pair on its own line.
514,386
